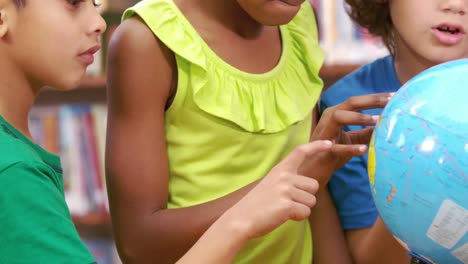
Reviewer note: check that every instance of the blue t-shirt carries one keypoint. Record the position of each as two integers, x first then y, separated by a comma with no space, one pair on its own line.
349,186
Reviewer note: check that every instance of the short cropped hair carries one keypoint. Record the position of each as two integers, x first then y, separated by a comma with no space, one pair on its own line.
374,15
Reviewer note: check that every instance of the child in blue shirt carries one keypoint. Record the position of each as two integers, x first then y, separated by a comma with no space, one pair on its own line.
416,42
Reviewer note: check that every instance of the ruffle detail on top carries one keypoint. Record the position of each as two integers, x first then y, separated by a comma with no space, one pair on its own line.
259,103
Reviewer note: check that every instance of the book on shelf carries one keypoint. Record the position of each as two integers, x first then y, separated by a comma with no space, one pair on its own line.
76,132
343,41
97,67
103,250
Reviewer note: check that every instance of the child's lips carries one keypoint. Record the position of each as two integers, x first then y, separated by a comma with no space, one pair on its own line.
92,50
293,2
450,27
448,35
88,56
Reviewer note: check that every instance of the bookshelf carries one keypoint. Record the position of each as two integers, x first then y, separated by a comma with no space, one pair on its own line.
332,73
95,225
339,70
72,124
92,82
91,90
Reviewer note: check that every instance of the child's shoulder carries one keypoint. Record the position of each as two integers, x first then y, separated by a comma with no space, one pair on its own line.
373,77
162,19
13,150
154,12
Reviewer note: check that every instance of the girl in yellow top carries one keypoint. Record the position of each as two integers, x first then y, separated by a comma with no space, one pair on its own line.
205,98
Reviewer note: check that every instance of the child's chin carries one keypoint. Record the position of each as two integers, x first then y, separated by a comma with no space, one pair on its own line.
65,85
71,83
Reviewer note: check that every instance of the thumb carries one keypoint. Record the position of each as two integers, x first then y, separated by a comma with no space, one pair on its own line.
295,159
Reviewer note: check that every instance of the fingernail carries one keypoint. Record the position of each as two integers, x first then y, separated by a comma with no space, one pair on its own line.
362,148
375,118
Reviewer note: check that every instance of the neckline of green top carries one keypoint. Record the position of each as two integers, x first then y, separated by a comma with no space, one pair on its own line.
285,51
46,156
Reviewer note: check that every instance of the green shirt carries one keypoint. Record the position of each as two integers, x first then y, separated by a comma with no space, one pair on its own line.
227,128
35,223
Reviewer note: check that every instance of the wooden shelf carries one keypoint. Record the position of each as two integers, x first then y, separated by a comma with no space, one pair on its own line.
326,71
91,90
332,73
93,225
93,82
337,70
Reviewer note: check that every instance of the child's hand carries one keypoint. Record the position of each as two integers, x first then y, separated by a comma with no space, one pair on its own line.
282,195
347,144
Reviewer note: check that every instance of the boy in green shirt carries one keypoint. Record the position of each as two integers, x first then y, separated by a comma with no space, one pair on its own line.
42,43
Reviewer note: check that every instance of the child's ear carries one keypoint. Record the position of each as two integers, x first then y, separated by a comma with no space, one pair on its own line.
3,24
3,18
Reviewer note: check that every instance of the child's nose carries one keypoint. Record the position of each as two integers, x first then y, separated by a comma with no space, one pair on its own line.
98,23
455,6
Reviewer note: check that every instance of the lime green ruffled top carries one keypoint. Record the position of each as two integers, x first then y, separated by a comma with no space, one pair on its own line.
227,128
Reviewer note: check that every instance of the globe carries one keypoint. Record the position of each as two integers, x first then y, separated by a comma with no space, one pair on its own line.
418,164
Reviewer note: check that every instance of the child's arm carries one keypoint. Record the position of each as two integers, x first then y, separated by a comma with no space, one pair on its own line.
277,198
369,245
376,245
141,76
36,224
219,244
329,240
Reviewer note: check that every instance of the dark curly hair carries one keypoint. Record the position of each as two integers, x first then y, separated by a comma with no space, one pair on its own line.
374,15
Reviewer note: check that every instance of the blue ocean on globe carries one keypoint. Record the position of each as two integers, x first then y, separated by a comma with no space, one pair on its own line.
418,164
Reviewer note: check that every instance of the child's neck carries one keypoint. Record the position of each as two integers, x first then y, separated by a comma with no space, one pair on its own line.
407,67
228,13
408,63
16,98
